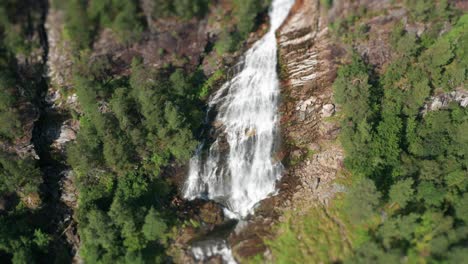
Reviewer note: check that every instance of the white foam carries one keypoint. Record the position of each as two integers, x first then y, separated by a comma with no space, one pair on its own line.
246,173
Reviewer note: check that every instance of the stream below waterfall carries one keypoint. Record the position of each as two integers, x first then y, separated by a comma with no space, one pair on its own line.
238,169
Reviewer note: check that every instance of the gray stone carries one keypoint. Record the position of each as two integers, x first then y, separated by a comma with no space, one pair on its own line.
328,110
442,101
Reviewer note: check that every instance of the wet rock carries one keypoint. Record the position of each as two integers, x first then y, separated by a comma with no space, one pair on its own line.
250,132
213,250
179,248
212,213
249,247
191,244
53,96
187,235
67,133
215,260
73,238
217,124
26,151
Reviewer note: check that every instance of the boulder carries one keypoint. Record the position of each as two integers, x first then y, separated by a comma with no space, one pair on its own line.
443,100
67,133
327,110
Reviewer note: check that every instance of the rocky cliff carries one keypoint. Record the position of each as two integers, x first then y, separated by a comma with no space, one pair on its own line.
307,57
311,153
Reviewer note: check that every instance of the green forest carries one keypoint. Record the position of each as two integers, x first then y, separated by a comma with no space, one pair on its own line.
23,232
409,167
407,183
133,129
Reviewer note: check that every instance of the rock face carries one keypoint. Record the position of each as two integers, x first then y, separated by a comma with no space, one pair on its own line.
307,57
311,153
442,101
211,213
67,133
69,196
54,129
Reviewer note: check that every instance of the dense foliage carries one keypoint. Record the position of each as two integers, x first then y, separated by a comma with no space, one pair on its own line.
408,198
406,175
84,19
9,116
409,167
246,14
23,235
15,40
131,128
185,9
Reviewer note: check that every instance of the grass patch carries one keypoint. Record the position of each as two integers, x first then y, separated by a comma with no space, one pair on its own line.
210,83
317,234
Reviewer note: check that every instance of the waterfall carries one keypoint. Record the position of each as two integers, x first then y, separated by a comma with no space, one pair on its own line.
209,248
239,170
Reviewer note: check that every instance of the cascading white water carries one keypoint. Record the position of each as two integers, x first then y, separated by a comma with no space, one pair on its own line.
239,169
209,248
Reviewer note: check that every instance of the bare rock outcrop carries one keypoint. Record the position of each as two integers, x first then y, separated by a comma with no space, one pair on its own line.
69,196
312,155
443,100
307,56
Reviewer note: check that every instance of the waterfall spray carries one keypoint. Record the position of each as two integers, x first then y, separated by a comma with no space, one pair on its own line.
239,169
